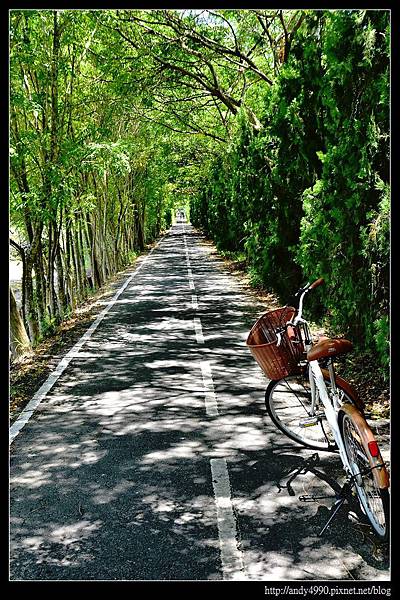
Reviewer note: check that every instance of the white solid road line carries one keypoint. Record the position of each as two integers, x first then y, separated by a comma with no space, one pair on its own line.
44,389
231,556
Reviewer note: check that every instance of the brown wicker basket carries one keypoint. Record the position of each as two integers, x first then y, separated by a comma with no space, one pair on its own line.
276,361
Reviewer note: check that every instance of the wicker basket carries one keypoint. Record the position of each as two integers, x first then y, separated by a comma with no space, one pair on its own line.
276,361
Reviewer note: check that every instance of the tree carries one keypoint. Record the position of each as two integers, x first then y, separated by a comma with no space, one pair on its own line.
273,124
199,67
19,340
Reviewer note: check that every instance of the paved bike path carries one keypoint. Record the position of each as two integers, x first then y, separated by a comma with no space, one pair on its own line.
151,457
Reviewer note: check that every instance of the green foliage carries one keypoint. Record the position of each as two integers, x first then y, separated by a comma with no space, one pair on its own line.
87,178
345,228
279,151
48,326
382,341
308,195
131,256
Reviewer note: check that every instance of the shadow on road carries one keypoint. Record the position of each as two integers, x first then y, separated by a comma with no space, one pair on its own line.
111,479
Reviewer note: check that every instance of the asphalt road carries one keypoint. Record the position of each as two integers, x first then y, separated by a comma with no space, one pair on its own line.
152,458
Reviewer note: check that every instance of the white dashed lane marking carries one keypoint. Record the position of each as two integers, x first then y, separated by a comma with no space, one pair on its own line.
209,392
198,330
231,556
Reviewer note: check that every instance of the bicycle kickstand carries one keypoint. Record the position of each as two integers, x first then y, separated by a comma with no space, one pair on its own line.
341,498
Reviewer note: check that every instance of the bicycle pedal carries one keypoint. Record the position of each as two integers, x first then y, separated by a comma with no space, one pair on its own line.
310,498
307,498
310,421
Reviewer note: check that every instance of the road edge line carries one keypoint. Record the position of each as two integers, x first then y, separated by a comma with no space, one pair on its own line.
44,389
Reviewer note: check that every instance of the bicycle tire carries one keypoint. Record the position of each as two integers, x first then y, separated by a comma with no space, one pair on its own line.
287,402
369,472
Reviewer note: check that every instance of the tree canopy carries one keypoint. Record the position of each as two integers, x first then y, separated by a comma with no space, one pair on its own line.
270,126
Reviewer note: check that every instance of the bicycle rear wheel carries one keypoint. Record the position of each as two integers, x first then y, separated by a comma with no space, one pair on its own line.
288,403
368,469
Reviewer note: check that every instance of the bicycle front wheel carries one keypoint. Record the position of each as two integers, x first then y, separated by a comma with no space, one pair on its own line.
288,403
368,470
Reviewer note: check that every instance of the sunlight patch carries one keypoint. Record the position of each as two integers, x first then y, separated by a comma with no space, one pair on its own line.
187,450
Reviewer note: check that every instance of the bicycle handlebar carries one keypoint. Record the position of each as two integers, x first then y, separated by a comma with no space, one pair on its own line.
316,283
310,286
298,318
302,292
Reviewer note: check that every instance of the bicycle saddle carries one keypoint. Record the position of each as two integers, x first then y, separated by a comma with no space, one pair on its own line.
329,347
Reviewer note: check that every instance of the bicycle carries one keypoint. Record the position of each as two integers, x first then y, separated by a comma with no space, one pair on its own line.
313,406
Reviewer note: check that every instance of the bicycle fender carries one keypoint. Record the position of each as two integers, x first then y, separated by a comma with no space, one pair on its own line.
380,475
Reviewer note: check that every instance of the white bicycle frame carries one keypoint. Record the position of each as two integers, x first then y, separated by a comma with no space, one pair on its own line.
333,405
317,382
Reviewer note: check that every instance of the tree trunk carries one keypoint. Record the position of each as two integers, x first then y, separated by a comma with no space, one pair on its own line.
61,282
98,267
51,292
40,283
86,280
30,307
52,300
78,264
72,274
140,228
18,336
89,245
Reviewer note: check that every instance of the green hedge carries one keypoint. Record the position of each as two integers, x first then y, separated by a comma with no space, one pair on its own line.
308,195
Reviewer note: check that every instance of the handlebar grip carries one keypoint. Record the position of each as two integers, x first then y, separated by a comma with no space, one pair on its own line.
316,283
